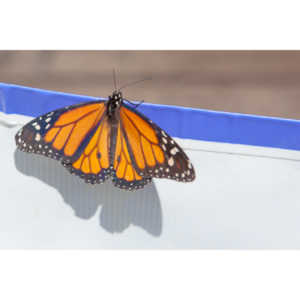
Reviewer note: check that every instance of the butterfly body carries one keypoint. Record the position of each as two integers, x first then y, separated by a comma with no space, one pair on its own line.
101,139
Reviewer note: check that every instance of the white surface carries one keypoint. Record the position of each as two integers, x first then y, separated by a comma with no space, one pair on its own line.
243,197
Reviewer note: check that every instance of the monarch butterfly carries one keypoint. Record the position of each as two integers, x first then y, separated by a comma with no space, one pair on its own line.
107,138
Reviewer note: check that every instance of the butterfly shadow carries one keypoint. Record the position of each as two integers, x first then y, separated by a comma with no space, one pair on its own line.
119,208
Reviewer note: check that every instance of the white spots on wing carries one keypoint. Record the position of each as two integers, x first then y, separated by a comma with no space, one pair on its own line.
47,126
188,172
167,170
174,150
165,141
176,174
189,165
156,171
50,114
163,133
36,125
171,162
37,137
172,142
182,175
164,147
48,120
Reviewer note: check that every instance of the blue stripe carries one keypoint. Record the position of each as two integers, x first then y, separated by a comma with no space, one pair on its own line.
180,122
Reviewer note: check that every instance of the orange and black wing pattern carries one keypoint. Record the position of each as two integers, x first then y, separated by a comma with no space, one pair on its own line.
93,164
100,139
69,135
144,151
125,175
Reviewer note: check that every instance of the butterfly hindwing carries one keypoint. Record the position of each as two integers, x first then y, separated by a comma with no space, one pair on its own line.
153,151
93,164
125,175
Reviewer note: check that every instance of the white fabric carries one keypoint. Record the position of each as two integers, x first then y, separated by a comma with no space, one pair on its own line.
243,197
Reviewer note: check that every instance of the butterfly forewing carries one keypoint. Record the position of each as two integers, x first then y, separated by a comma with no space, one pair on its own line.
64,133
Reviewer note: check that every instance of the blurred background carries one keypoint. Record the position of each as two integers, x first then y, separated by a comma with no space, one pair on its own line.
252,82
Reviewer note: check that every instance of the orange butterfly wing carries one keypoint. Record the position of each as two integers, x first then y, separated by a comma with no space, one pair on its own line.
125,175
72,127
64,133
93,163
152,151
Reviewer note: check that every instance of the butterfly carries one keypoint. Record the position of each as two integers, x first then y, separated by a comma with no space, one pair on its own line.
107,138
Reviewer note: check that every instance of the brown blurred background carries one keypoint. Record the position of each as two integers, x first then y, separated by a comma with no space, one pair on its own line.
253,82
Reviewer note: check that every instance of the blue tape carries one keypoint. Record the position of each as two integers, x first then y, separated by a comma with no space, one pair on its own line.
180,122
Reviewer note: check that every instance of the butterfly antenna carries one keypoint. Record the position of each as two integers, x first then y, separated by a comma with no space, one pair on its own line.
136,105
135,82
115,80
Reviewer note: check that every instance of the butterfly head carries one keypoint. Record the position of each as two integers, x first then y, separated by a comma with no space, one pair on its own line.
116,97
114,102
